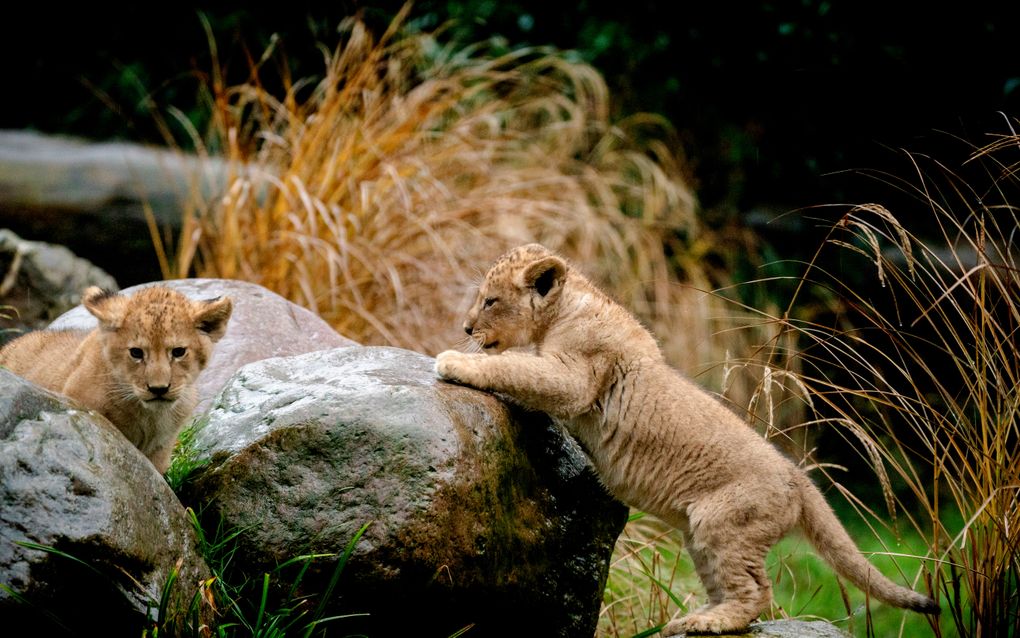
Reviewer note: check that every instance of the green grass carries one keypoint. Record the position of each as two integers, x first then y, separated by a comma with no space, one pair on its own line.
254,607
185,460
806,587
652,580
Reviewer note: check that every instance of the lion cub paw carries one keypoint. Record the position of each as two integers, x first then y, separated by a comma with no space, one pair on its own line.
701,623
454,366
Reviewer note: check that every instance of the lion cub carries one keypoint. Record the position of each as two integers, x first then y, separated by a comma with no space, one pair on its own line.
657,441
137,368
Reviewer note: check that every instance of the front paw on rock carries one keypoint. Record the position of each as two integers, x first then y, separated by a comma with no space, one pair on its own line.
445,363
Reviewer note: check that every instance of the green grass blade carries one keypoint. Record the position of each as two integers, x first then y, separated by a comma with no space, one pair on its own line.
262,602
335,578
648,632
57,552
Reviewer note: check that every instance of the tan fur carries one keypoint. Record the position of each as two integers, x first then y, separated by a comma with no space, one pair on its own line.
658,442
137,368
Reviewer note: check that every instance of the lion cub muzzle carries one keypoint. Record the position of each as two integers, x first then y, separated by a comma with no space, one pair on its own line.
156,370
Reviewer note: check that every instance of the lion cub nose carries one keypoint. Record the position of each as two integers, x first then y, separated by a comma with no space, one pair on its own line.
468,329
159,390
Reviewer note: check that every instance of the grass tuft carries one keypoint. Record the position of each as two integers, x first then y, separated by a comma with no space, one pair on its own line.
917,376
185,460
376,194
258,607
908,370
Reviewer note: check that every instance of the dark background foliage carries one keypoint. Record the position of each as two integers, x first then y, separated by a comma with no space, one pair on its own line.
769,99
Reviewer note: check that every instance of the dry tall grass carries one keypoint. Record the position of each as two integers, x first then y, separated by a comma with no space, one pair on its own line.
377,196
919,376
926,386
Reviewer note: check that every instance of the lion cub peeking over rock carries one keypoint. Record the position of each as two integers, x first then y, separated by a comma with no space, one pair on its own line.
137,368
658,442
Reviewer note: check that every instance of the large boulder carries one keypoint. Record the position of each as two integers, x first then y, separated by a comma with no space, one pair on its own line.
90,533
478,515
39,281
263,325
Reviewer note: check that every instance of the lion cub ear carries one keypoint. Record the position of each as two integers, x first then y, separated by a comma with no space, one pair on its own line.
211,315
105,305
545,275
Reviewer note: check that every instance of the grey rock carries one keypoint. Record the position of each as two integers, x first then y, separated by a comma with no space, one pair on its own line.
69,481
39,281
791,629
797,629
477,514
262,325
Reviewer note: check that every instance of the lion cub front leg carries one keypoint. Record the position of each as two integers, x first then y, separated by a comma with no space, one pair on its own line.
554,385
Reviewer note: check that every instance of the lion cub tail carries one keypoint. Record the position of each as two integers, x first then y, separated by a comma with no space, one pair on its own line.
831,540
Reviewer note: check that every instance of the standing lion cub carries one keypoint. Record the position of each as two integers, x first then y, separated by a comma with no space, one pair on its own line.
137,368
658,442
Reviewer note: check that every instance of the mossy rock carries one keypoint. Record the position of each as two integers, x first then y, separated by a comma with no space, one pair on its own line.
478,514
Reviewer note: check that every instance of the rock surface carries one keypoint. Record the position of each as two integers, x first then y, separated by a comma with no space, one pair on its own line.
71,482
39,281
790,629
477,516
262,325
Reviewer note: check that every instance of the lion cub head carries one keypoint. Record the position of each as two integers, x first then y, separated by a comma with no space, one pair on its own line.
517,300
156,341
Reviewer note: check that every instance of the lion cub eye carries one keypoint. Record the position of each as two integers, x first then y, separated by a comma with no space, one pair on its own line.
177,353
490,300
136,353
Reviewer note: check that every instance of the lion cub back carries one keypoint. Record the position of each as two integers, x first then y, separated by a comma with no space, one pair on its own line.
44,357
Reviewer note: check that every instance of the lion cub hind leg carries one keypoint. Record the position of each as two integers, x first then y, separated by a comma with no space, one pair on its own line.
728,539
741,587
705,566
